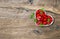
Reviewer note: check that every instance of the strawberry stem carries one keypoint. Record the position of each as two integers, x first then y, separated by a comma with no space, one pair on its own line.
40,12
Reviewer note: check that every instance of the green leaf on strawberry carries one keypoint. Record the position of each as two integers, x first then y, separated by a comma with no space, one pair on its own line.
32,16
35,20
42,9
41,25
48,20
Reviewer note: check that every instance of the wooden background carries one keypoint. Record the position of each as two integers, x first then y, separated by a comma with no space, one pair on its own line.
16,24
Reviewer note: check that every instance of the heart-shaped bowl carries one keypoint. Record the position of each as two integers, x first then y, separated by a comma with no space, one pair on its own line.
47,24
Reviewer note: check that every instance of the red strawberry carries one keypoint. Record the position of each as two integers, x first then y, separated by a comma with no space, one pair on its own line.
37,11
39,22
44,23
45,18
41,19
38,16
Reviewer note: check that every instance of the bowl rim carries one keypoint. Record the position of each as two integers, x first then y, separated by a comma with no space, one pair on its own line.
47,24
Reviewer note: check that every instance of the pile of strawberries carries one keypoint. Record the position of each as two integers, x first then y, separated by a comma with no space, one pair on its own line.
42,18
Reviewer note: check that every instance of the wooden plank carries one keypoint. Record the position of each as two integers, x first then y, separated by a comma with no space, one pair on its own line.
17,4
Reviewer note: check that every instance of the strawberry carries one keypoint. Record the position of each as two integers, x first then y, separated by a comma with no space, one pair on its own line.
39,22
45,18
38,16
44,23
41,19
37,11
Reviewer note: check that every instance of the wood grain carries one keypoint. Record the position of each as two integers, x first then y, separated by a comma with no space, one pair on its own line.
16,24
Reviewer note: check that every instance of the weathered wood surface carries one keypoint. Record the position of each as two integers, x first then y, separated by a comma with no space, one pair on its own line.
16,24
51,5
